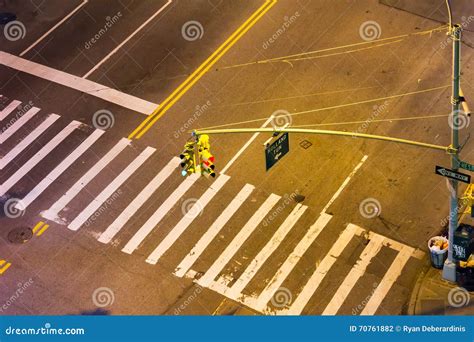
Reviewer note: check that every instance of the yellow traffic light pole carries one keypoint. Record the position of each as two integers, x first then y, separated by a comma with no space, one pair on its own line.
448,149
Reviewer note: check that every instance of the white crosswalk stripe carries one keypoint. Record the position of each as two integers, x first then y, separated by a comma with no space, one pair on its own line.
58,171
323,268
30,138
60,204
9,109
153,221
238,240
267,250
372,248
110,189
18,124
187,219
33,161
138,202
212,232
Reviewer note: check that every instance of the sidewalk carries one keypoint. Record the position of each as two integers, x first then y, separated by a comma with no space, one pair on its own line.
434,296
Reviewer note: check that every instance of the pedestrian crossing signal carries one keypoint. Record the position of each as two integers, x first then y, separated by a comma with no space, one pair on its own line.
188,159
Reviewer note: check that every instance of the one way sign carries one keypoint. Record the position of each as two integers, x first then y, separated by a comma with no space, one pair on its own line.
453,174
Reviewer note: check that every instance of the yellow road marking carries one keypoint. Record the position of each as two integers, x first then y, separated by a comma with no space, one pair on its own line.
5,265
199,72
46,226
38,226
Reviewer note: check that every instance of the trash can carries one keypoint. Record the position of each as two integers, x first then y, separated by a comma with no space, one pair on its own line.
463,243
438,246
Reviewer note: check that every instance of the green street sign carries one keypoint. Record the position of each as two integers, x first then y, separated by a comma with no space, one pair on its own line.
277,150
466,166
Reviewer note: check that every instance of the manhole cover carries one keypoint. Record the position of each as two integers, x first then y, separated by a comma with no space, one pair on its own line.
20,235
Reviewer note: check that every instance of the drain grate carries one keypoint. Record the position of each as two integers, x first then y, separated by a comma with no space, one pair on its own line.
306,144
20,235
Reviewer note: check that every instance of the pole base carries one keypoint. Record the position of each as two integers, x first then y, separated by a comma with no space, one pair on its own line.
449,271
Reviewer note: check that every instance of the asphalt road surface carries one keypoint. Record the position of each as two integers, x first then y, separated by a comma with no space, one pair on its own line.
98,100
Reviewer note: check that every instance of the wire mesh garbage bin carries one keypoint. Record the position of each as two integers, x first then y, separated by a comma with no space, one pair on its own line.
438,246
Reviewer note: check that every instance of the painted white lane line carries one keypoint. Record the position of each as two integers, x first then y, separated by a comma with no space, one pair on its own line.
54,27
138,202
322,269
300,249
388,280
14,152
187,219
357,271
247,144
161,212
213,230
8,109
126,40
111,188
238,240
80,84
267,251
34,160
18,124
52,213
339,191
59,170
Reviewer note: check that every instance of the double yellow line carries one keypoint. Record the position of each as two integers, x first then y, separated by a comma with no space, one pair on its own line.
40,228
199,72
4,265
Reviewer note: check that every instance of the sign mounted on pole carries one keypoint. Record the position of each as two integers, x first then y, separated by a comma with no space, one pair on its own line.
277,150
442,171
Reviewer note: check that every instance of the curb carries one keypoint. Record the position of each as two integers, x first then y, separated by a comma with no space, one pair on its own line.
411,310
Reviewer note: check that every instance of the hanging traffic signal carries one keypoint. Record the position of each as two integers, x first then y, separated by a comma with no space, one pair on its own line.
207,163
205,157
188,159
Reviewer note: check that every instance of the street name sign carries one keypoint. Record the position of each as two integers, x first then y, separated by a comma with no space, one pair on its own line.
453,174
466,166
277,150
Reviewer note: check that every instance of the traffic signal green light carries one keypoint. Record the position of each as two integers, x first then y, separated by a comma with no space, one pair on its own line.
188,159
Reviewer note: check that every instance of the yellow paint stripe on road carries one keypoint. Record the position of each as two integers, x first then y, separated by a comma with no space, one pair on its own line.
5,266
38,226
46,226
200,71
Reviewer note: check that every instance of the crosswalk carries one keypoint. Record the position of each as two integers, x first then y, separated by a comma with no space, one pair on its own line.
236,284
